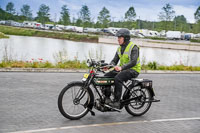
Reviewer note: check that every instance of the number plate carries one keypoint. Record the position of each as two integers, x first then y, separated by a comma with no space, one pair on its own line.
85,76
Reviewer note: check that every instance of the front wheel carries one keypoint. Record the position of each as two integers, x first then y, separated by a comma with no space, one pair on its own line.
141,103
74,100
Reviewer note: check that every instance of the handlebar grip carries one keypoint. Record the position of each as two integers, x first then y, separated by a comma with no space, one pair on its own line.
104,64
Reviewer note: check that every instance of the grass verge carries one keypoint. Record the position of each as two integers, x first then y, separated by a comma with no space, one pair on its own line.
75,64
36,64
57,35
2,35
195,40
155,66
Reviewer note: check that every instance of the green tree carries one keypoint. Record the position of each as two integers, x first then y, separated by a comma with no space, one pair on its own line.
104,17
180,18
180,23
43,14
78,22
197,14
197,18
167,14
25,10
130,14
65,16
10,8
196,27
85,14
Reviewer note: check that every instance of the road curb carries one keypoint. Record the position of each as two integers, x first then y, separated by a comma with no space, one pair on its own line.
168,71
56,70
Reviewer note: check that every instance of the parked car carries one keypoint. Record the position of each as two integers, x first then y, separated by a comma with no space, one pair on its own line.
153,34
90,30
59,27
187,36
162,33
37,25
79,29
3,22
29,24
113,30
69,28
176,35
48,26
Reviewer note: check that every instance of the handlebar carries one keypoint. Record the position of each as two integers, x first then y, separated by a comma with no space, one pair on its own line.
93,63
100,65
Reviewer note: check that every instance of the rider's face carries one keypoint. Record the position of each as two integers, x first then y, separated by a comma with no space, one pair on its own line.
120,40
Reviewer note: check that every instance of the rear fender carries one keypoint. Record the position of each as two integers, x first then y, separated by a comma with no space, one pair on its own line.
127,96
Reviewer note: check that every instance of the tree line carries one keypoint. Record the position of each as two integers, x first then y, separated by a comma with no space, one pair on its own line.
167,17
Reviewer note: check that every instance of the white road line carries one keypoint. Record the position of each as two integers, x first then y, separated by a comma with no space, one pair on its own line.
107,124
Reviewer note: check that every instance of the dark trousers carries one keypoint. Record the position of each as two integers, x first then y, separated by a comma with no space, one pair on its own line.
119,77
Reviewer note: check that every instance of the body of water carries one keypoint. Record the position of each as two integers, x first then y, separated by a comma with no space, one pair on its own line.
29,48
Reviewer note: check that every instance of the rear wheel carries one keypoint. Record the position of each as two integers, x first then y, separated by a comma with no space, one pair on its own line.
141,104
73,100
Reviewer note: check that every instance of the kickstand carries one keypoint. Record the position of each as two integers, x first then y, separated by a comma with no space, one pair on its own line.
92,112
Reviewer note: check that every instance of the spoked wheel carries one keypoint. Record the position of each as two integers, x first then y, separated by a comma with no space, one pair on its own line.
73,101
141,104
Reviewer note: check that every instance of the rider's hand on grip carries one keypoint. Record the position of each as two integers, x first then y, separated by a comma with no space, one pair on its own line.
118,68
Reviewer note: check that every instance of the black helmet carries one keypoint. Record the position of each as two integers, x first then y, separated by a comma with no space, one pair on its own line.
123,33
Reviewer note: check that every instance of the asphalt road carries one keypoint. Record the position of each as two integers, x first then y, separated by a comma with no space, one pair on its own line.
28,103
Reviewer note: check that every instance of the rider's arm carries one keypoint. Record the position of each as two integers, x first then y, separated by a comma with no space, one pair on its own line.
133,60
115,59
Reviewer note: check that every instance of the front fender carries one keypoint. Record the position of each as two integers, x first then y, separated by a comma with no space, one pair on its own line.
91,103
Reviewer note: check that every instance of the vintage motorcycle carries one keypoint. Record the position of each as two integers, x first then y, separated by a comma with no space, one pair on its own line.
80,97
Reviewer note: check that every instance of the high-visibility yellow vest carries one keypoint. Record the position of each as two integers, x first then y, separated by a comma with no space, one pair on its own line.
125,58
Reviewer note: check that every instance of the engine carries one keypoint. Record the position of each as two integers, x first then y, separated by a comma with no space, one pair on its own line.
106,91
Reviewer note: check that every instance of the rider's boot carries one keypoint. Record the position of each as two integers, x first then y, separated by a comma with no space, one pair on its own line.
115,104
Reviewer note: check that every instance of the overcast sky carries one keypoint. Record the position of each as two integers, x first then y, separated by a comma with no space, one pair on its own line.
145,9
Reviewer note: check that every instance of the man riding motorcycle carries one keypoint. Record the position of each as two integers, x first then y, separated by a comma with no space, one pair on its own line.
130,67
128,54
